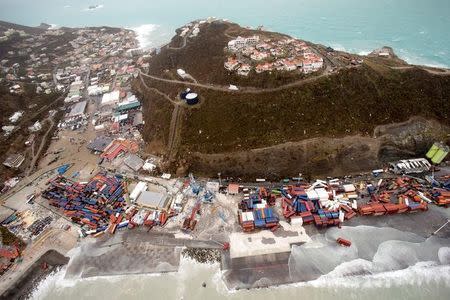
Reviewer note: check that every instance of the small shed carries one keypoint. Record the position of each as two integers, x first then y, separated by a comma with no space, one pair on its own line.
233,189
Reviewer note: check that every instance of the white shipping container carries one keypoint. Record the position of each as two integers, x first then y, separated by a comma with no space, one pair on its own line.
312,195
349,188
247,216
296,220
352,196
322,193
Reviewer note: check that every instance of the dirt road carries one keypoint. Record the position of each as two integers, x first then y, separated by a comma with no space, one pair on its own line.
41,146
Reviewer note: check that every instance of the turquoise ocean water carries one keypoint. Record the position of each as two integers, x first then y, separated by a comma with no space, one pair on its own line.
418,30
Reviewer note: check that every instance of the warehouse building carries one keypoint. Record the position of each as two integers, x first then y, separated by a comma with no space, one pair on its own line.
153,200
99,143
134,162
77,109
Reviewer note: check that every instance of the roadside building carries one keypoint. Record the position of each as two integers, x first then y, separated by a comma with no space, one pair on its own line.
134,162
77,109
35,127
14,161
110,98
153,200
138,189
212,186
241,42
138,119
16,116
130,104
233,189
99,143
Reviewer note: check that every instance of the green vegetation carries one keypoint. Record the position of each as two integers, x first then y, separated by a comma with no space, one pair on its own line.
218,134
350,102
10,239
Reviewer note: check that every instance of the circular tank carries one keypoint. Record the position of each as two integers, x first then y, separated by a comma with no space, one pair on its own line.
192,98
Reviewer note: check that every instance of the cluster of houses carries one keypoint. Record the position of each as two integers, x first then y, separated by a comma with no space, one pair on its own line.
192,29
252,53
30,58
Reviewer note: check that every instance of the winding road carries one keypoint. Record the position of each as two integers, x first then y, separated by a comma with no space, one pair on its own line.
245,90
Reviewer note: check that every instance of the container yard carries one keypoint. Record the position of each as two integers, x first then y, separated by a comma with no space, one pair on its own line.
90,203
331,202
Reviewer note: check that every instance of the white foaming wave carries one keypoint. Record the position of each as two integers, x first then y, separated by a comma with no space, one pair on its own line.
94,8
420,60
151,35
57,280
54,26
189,268
402,53
420,273
48,284
364,52
337,47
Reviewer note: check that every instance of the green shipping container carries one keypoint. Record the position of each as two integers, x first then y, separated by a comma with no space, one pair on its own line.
432,151
439,156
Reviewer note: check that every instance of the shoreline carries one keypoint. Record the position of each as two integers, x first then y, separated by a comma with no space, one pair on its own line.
415,62
31,278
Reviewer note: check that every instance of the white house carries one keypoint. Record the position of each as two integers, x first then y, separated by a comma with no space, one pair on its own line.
240,42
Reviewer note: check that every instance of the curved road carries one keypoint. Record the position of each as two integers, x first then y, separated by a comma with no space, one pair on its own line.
300,82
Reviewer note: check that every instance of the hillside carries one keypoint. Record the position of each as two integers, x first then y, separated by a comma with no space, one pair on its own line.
352,101
27,29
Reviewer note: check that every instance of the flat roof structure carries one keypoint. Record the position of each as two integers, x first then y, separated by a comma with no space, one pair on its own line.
77,109
138,119
110,98
134,162
99,143
14,161
233,189
128,105
153,200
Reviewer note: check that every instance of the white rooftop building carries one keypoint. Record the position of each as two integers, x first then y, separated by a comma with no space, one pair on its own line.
110,98
240,42
16,116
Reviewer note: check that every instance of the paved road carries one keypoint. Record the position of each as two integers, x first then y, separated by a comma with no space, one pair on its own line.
299,82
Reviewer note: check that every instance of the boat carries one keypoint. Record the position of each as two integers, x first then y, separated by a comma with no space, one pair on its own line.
344,242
